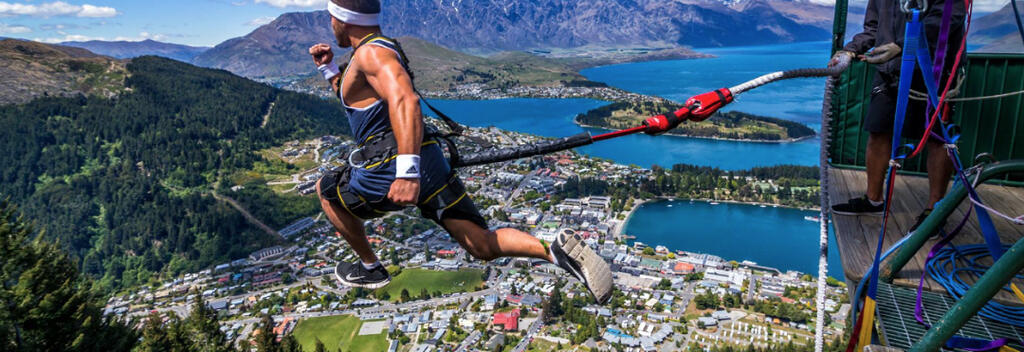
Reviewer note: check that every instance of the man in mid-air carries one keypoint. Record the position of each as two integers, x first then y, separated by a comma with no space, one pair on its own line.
394,166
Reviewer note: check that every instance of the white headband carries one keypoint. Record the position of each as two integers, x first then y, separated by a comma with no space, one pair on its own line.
352,17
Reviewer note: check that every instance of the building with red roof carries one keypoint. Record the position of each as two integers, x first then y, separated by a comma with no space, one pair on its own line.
510,320
682,268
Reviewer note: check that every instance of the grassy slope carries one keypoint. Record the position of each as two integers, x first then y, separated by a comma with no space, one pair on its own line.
415,280
33,69
338,331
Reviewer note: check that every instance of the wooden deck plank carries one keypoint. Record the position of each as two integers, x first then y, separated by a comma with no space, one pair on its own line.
857,235
848,229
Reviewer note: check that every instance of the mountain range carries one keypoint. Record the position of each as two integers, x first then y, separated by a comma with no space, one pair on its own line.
129,49
997,31
278,49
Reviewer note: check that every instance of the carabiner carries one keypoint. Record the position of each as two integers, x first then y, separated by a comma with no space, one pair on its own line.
907,8
353,152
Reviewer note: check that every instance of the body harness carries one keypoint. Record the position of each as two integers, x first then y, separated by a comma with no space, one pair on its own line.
916,56
381,148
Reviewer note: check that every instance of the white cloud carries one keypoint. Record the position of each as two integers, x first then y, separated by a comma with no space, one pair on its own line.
256,22
97,11
84,38
56,8
68,38
13,29
292,3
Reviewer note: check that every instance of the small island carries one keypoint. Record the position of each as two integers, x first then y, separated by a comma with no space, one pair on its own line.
733,125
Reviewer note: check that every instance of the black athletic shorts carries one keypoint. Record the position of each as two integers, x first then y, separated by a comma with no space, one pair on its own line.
882,109
450,202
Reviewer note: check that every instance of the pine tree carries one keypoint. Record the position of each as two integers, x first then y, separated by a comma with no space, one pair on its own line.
155,336
266,341
46,305
320,346
290,344
204,328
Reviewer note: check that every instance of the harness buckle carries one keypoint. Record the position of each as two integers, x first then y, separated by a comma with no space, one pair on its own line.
908,6
352,163
895,164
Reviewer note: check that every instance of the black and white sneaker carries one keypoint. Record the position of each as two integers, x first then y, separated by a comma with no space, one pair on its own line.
356,275
579,260
858,206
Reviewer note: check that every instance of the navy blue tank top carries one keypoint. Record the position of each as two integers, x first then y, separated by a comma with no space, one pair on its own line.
374,183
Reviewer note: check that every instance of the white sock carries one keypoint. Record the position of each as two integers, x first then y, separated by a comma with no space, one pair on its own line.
371,266
874,203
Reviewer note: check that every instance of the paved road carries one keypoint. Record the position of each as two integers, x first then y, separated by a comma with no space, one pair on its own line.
519,189
528,336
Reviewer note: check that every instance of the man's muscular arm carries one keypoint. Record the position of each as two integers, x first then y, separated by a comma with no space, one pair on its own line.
385,74
323,55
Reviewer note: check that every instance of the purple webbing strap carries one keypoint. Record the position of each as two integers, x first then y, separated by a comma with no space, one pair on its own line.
918,306
943,42
939,62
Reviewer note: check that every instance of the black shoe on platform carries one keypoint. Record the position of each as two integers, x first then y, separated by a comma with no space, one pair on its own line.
858,206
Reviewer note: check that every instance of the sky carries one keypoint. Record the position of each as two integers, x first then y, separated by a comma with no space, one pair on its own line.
191,22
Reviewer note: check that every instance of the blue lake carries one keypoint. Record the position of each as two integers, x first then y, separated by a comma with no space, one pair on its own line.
798,100
770,236
775,237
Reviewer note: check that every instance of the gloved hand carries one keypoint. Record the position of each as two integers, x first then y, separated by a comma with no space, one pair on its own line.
882,54
838,57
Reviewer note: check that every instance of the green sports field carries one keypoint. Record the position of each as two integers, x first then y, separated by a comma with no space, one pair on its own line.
338,331
415,280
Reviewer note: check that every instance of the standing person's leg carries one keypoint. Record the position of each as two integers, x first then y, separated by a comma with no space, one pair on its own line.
878,123
940,170
879,150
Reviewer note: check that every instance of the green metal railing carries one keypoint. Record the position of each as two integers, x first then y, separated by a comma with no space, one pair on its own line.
993,126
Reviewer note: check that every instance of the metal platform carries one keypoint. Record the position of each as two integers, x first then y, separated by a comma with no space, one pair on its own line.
898,328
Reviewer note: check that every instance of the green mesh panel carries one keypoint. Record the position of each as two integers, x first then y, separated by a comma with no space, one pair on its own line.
993,126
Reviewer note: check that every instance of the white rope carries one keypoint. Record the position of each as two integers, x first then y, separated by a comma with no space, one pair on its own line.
1017,220
826,118
756,82
921,96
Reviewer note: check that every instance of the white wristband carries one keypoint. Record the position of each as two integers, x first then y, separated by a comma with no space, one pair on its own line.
407,166
329,70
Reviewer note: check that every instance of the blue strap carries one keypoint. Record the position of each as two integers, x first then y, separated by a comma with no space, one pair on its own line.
912,36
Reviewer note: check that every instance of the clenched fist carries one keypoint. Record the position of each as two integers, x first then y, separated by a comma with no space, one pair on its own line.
322,54
405,191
